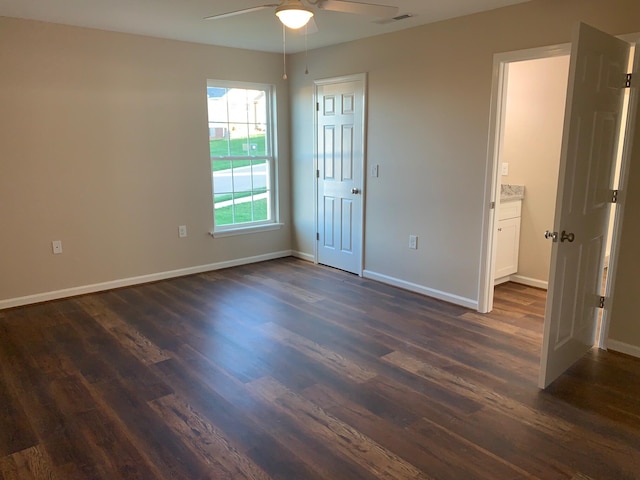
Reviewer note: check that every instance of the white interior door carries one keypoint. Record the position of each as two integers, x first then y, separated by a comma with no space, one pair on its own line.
340,157
593,119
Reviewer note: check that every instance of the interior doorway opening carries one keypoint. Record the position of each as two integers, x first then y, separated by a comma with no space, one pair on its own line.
534,98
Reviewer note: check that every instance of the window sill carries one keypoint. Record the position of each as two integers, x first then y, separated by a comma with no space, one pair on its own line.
245,230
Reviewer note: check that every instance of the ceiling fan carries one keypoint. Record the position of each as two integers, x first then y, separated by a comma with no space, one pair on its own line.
296,14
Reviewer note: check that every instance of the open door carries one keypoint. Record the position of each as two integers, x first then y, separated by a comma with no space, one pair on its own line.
593,118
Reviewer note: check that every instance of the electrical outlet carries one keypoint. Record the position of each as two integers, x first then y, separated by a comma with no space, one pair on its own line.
182,231
413,242
56,246
505,168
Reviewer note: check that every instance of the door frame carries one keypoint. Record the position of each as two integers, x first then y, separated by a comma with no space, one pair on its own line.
492,179
623,182
356,77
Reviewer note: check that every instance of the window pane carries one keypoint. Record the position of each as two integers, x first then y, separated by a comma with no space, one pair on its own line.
260,174
219,139
243,207
223,209
258,141
222,177
260,211
239,145
217,104
242,191
242,179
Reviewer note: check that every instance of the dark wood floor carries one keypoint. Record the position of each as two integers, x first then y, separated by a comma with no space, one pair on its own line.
286,370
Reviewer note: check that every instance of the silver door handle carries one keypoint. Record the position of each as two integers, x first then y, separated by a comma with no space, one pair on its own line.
355,191
551,235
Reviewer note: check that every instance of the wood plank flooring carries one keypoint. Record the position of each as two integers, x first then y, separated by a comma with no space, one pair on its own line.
286,370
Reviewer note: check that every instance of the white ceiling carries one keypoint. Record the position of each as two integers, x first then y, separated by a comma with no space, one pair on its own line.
184,19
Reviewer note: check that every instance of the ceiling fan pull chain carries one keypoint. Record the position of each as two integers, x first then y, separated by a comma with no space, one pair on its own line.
284,51
306,50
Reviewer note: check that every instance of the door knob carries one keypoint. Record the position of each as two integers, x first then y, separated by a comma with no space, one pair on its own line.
355,191
551,235
570,237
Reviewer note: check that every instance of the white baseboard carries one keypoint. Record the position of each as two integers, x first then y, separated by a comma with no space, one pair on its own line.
530,282
414,287
303,256
617,346
127,282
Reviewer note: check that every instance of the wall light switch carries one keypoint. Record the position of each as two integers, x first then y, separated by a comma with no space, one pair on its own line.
56,246
182,231
505,168
413,242
374,170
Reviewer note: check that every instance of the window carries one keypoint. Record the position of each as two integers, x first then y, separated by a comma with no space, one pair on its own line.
242,160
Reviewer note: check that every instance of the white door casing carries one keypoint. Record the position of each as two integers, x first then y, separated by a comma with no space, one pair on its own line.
493,180
591,133
340,147
625,155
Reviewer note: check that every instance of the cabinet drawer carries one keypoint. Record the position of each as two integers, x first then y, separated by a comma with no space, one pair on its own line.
511,209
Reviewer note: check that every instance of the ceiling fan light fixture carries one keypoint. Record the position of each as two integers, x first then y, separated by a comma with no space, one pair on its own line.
294,16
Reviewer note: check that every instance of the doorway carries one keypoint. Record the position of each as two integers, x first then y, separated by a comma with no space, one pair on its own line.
529,157
506,145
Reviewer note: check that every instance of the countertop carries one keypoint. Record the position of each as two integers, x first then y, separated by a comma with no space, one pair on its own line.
509,192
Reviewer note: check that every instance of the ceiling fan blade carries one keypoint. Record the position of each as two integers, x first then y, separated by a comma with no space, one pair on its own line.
359,8
240,12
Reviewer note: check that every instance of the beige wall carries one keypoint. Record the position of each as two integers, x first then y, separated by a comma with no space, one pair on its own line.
429,99
103,145
534,116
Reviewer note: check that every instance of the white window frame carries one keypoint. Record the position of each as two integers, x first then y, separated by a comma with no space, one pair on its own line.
272,222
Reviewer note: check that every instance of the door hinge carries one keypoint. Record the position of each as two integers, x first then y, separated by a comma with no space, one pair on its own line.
317,236
601,304
614,196
317,106
627,83
317,173
492,205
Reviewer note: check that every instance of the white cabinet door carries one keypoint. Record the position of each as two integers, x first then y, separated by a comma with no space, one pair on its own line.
508,238
508,246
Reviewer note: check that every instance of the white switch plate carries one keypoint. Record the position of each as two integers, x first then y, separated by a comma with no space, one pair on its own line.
374,170
505,168
182,231
56,246
413,242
